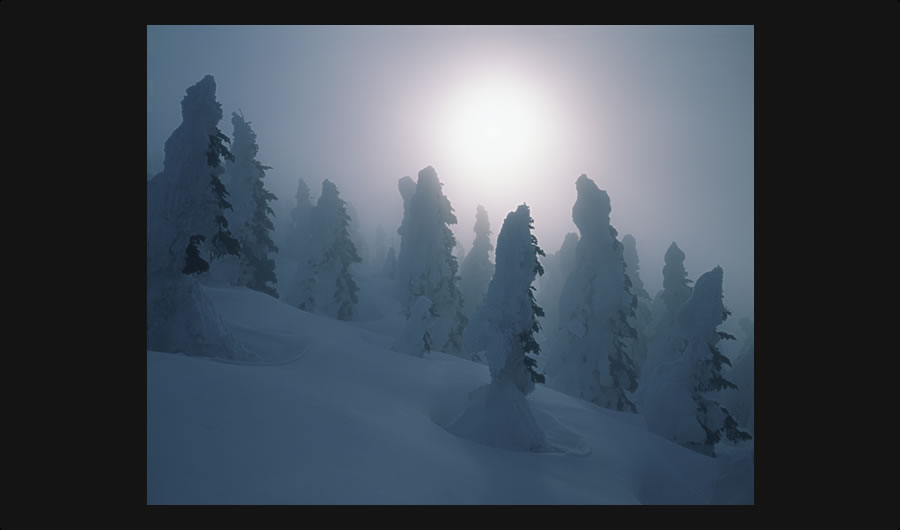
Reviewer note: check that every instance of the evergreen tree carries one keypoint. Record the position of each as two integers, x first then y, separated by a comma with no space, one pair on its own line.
252,211
193,263
477,269
740,402
698,320
506,324
426,265
504,328
642,320
593,360
324,282
676,285
223,242
559,266
186,205
296,240
362,248
665,341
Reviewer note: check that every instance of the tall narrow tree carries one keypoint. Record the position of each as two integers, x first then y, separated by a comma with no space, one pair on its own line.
252,211
324,283
642,319
297,239
593,360
696,375
186,205
477,269
426,264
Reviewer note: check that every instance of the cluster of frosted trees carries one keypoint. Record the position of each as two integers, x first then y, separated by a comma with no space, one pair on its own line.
606,340
207,218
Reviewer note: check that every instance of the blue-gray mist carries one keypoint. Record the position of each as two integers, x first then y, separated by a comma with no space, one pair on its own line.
659,117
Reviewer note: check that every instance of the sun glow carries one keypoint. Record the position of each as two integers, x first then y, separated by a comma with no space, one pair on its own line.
494,127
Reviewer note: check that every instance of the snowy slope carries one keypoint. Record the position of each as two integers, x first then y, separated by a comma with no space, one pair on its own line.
330,415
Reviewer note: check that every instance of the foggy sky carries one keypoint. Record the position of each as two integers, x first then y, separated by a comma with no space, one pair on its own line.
660,117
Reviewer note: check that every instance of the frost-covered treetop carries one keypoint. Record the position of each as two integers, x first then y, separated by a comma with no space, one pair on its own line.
199,102
507,312
244,140
704,310
507,304
673,270
428,194
591,210
482,229
302,191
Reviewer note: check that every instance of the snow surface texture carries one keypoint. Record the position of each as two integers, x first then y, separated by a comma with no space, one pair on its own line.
328,414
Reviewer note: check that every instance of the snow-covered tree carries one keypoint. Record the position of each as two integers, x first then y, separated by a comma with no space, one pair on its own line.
664,340
740,402
681,405
504,327
251,222
362,248
297,238
477,269
592,359
426,265
641,322
676,285
415,338
186,205
505,324
559,266
403,271
323,283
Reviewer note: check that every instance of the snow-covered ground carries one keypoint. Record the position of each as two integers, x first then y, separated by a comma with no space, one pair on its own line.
331,415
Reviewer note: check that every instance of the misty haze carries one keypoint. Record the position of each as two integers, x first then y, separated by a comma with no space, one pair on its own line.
450,265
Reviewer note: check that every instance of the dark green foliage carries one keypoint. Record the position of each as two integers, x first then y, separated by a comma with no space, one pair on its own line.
710,379
341,254
731,429
257,255
193,263
220,192
526,338
223,242
217,150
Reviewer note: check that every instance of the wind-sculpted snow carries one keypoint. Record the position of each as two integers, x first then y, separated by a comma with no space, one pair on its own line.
348,421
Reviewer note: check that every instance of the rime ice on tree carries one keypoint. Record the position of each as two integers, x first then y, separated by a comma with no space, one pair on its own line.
504,328
477,269
592,358
681,405
426,265
186,222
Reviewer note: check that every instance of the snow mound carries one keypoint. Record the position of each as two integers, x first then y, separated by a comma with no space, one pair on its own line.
559,438
187,322
499,416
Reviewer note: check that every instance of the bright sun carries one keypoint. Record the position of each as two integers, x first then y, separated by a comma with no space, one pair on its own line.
493,127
